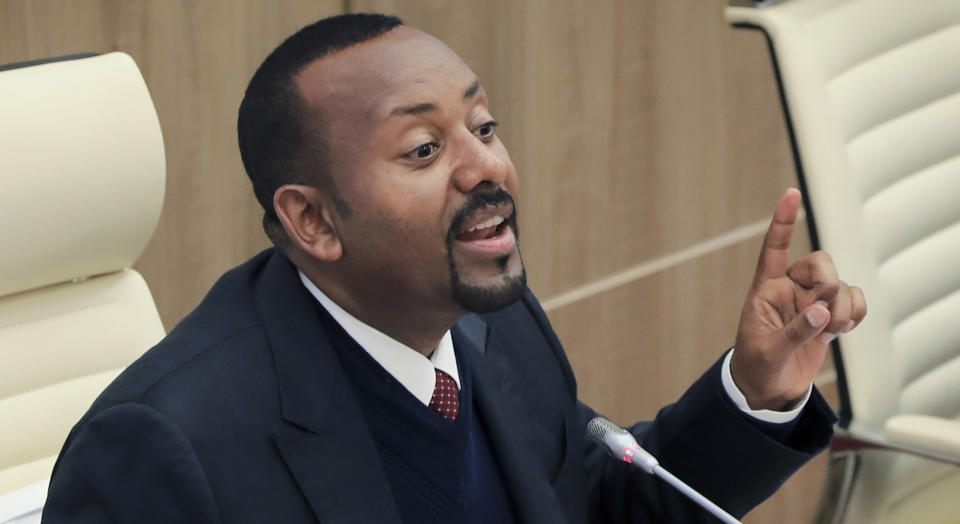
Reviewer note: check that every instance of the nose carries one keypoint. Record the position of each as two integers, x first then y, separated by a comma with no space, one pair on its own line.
480,162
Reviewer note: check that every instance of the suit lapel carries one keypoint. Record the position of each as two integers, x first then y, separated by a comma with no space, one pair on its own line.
508,425
325,442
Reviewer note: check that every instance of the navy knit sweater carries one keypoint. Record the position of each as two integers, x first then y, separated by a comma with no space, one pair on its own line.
440,471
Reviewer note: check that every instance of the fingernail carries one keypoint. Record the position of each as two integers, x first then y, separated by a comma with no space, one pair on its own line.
816,317
826,337
849,326
823,303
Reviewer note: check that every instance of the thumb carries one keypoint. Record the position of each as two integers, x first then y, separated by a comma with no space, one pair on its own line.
808,324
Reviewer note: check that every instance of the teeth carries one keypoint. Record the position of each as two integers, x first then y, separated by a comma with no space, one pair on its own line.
495,221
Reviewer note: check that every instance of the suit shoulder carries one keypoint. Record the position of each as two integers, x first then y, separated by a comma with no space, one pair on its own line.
525,314
225,321
97,461
177,363
524,325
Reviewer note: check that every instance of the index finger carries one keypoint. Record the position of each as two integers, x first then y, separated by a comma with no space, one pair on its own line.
776,244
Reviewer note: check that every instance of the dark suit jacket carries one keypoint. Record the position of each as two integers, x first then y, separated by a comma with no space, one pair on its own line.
243,414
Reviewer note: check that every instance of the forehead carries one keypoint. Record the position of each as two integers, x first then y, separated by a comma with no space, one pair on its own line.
395,68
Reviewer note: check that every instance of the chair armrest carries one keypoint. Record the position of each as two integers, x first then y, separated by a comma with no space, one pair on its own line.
751,4
938,435
941,444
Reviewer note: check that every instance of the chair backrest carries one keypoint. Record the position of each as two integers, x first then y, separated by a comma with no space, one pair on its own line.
82,174
873,90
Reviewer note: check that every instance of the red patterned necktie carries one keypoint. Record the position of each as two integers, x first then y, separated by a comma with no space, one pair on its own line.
446,398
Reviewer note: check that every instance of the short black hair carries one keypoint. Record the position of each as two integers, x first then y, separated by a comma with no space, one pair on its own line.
277,144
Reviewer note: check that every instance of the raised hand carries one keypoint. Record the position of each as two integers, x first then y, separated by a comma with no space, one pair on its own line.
791,315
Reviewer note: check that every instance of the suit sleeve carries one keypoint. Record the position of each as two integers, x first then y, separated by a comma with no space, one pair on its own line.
703,439
707,442
108,460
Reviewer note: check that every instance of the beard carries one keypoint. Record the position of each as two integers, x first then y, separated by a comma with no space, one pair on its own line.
484,299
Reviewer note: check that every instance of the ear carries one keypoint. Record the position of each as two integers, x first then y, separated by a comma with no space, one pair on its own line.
307,215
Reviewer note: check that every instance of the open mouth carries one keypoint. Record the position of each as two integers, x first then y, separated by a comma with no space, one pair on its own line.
489,228
485,226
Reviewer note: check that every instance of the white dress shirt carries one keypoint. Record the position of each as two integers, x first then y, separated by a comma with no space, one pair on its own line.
416,372
766,415
411,369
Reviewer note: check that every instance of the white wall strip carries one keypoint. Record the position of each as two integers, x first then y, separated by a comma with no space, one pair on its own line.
615,280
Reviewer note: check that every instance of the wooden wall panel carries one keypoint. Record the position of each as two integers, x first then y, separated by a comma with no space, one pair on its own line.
639,346
638,128
197,58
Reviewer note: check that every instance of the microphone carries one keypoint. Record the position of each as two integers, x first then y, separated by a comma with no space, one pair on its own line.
621,444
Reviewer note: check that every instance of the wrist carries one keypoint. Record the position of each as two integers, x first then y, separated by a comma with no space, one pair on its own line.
767,394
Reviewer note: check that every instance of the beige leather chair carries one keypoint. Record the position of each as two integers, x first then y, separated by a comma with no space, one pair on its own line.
871,90
81,186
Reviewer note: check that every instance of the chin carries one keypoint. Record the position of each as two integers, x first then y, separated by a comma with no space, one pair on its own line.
505,289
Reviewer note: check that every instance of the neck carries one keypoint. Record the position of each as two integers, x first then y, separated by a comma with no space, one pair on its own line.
404,319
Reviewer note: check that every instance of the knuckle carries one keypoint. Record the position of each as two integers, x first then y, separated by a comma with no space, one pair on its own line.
828,291
858,294
843,298
860,309
822,257
836,325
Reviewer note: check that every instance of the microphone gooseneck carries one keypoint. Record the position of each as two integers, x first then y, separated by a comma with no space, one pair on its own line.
621,444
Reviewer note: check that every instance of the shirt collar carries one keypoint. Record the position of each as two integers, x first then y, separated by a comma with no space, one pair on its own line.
407,365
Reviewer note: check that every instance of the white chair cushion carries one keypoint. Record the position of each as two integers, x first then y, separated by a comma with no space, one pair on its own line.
59,347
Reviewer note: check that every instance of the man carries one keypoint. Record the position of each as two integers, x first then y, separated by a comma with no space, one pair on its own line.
386,362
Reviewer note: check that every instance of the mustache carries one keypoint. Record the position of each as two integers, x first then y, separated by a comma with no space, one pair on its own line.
477,201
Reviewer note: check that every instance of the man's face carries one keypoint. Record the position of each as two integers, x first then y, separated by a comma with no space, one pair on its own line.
414,153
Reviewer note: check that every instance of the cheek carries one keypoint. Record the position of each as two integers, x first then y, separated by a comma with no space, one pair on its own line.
413,230
513,185
511,180
408,211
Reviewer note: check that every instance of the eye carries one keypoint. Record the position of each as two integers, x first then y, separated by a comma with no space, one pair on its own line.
486,130
424,151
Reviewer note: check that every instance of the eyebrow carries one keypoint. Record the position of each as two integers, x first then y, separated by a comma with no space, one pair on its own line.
416,109
472,90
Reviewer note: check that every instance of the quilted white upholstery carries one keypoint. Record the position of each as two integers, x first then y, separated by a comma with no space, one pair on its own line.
81,186
82,168
873,90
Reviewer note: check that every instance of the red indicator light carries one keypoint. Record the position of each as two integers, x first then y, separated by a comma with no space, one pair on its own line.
628,460
629,452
